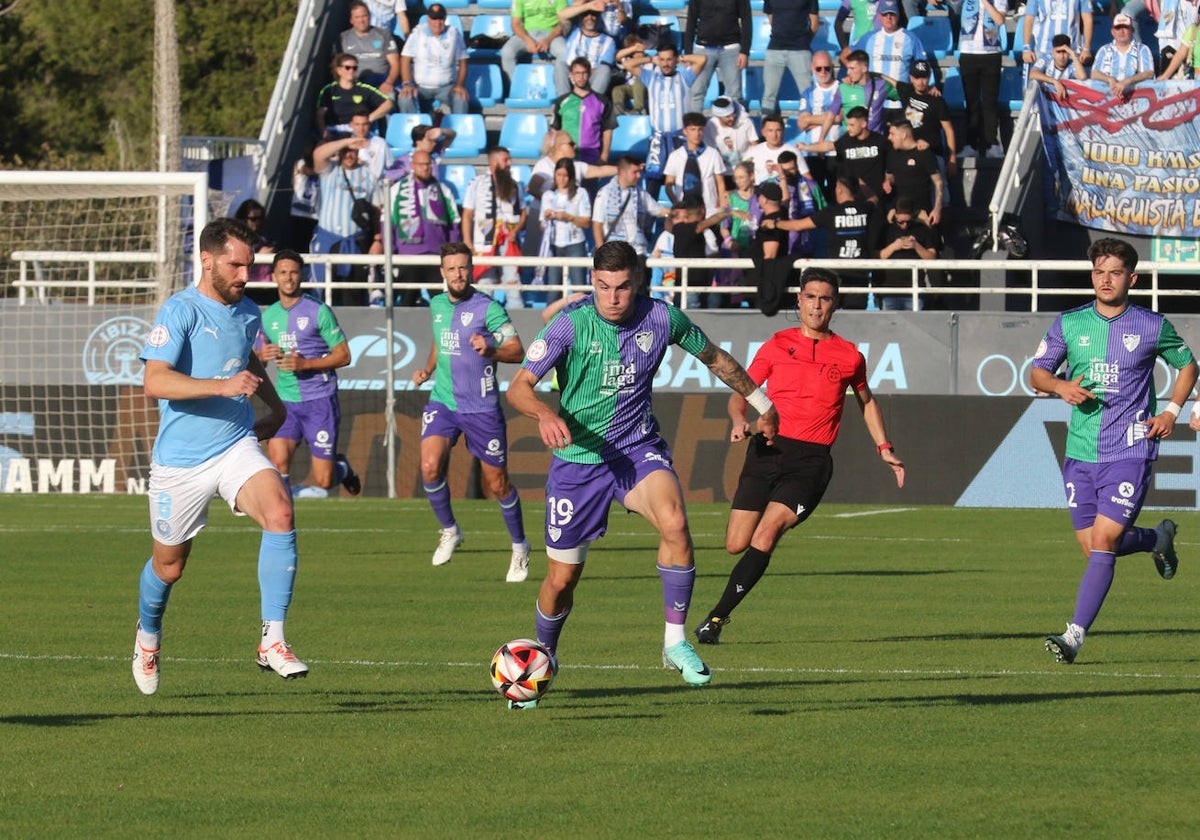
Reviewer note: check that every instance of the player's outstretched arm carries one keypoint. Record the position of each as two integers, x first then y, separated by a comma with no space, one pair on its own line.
873,416
552,428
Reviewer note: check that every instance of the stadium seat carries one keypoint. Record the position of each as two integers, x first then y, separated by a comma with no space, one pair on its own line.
935,34
506,5
752,87
952,90
470,135
485,84
760,37
631,136
522,134
521,172
825,38
532,86
497,26
399,131
829,6
668,27
1012,87
653,7
456,176
455,4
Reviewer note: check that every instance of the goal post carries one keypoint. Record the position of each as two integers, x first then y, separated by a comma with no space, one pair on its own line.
86,259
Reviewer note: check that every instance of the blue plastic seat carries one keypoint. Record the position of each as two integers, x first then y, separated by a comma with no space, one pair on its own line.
760,37
399,131
522,134
1012,87
653,7
752,87
631,136
470,135
952,89
494,4
485,85
829,6
456,176
532,86
935,34
494,26
669,28
825,38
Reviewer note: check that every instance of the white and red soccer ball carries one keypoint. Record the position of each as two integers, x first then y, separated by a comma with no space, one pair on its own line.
522,670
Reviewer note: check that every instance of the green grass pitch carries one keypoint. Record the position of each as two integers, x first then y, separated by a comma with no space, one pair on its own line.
886,679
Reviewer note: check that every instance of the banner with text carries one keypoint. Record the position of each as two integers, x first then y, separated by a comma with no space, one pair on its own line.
1124,164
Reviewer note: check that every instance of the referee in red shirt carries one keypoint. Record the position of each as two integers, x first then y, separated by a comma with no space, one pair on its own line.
807,370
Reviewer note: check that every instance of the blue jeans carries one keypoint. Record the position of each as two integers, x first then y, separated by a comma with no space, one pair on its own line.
576,275
725,63
444,94
514,48
798,62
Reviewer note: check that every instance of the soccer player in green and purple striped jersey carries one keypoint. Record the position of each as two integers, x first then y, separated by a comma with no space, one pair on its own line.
471,334
605,442
302,336
1111,348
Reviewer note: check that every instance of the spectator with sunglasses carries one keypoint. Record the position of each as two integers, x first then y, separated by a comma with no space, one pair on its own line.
338,100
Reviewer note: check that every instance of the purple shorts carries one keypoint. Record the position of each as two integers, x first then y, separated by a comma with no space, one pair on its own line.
316,423
1115,490
487,435
578,496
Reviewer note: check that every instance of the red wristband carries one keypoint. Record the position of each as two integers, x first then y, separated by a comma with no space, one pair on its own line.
883,446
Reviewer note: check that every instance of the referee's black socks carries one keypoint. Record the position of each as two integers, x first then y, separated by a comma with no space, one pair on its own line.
741,580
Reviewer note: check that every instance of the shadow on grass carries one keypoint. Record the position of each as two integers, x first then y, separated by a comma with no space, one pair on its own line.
990,637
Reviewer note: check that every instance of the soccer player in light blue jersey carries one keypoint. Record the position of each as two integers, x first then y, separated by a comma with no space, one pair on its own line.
302,336
201,369
471,334
1111,348
605,442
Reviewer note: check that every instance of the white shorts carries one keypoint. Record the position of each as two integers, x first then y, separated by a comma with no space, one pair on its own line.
180,496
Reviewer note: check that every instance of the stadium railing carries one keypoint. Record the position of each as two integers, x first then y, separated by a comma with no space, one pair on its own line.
996,277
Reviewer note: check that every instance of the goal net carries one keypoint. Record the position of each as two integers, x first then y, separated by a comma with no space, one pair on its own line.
86,258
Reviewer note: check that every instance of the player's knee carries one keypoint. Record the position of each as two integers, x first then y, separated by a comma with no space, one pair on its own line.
736,545
431,470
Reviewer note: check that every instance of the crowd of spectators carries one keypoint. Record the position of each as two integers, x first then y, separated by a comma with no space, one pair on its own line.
861,168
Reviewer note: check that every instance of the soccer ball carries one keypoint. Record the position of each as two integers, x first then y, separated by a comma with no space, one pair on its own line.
523,669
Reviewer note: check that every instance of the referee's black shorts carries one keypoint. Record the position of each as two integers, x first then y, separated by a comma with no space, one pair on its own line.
792,472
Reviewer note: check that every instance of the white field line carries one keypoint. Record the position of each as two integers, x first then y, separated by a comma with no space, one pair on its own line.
869,513
868,672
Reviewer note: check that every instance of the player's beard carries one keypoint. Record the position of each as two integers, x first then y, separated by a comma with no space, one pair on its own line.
506,186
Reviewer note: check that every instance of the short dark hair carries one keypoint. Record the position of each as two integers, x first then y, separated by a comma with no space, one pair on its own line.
667,45
1061,40
690,202
285,254
616,256
450,249
858,112
859,56
812,274
247,207
626,161
905,204
693,118
787,156
772,118
581,61
1110,246
356,3
219,231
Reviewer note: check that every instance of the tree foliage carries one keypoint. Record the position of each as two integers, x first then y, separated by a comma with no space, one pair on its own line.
76,79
